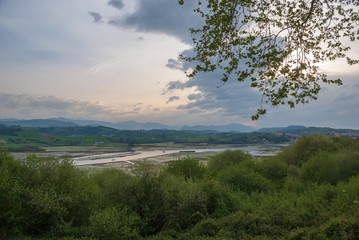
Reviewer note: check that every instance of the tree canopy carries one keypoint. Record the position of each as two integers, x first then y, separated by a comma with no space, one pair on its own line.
274,45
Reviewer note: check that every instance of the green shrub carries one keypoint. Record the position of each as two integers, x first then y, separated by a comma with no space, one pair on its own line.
207,228
165,234
12,221
114,185
244,179
47,193
308,146
347,197
305,233
273,168
114,223
144,196
239,225
331,167
5,157
295,184
221,199
189,168
336,229
227,158
183,203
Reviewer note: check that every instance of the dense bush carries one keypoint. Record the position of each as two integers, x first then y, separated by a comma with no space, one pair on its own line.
183,202
309,146
331,167
42,195
114,223
221,199
206,228
144,196
227,158
115,186
310,191
273,168
189,168
242,179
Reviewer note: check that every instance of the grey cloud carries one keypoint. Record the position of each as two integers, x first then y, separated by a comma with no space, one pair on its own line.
348,93
138,104
116,4
137,107
194,96
238,100
231,99
173,98
152,108
336,107
97,18
195,111
179,64
348,98
174,64
162,16
176,85
49,106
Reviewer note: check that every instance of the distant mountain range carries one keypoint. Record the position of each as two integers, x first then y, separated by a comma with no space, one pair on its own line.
37,123
133,125
127,125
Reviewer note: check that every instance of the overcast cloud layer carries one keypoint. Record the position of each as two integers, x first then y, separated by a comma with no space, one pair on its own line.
118,60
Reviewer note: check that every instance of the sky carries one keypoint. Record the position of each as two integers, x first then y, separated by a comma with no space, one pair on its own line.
117,60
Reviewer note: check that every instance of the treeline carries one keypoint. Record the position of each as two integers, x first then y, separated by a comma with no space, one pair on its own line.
308,191
304,131
25,139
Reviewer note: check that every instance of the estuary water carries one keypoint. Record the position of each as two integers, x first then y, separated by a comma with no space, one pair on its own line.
141,155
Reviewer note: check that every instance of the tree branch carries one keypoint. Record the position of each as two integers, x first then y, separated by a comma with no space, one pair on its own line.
310,12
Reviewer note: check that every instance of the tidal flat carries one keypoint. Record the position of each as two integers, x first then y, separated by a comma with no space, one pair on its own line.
90,157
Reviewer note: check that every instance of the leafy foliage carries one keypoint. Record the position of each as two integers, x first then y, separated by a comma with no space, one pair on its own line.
114,223
273,168
240,198
331,168
189,168
184,203
43,195
227,158
309,146
244,179
274,45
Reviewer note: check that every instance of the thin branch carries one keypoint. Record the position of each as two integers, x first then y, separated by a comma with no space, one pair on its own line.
310,12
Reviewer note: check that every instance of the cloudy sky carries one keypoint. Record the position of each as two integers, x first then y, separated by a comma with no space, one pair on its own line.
117,60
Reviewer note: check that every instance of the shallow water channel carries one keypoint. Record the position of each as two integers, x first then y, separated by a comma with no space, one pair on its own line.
128,157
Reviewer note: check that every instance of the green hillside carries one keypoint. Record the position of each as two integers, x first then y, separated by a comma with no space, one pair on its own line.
305,131
32,139
16,138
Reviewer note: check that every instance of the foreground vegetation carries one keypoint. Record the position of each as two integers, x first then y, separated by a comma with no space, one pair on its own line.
308,191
